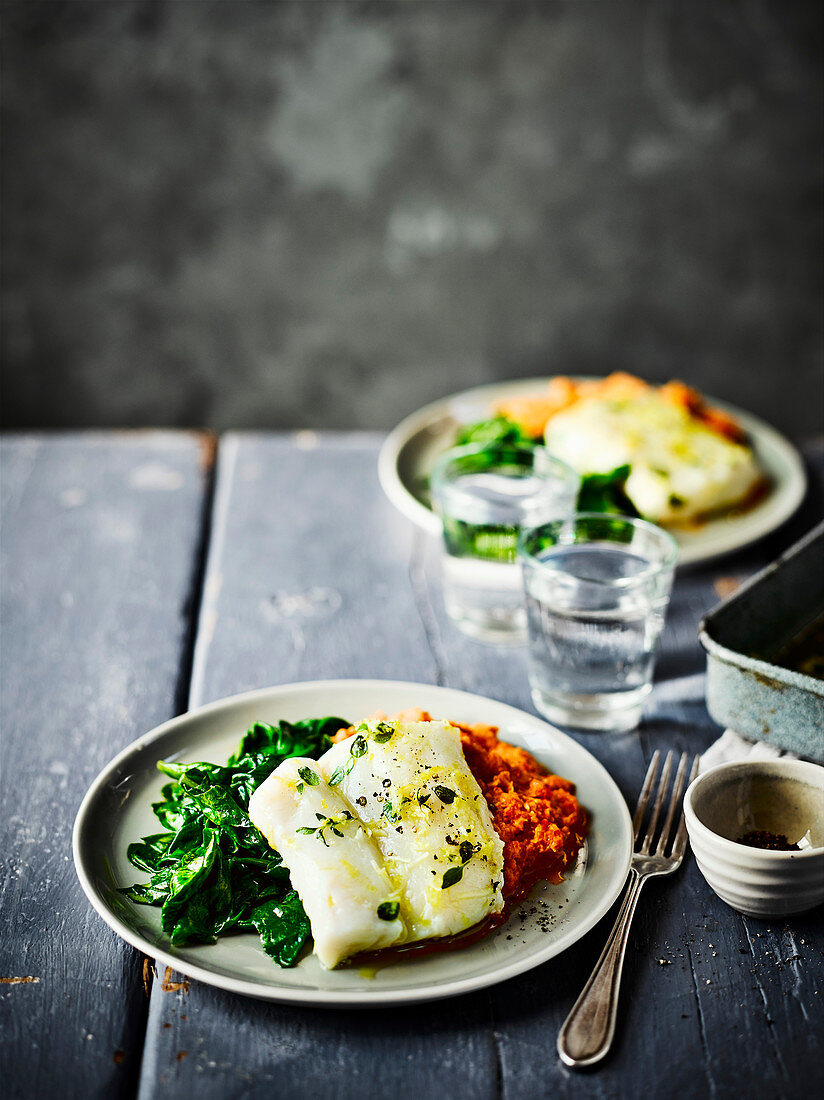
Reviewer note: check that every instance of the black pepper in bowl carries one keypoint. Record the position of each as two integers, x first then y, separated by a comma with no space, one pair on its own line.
773,842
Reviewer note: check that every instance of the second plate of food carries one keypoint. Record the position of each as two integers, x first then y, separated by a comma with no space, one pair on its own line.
117,811
410,450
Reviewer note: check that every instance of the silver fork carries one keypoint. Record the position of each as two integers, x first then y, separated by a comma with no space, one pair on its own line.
589,1029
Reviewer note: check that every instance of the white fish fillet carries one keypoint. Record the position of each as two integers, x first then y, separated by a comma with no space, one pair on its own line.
415,829
680,468
340,879
437,824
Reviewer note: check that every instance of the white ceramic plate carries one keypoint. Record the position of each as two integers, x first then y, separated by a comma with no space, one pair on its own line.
409,452
117,810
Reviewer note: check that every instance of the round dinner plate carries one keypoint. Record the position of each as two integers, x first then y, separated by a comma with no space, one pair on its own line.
117,810
410,450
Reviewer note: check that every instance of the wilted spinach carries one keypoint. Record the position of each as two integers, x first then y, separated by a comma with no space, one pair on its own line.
606,493
599,492
496,432
212,871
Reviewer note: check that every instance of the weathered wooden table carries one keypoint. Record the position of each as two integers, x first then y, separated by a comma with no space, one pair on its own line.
144,573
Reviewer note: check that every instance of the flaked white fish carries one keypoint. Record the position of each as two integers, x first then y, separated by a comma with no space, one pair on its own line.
408,832
333,862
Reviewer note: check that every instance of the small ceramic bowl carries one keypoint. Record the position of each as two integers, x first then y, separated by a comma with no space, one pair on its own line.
777,797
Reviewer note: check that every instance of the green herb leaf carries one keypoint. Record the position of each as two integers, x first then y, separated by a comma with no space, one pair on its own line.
305,830
359,746
341,771
390,813
308,776
453,875
338,775
445,795
388,910
383,733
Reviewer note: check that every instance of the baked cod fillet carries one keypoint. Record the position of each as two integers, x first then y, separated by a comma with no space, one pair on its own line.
334,864
680,469
413,788
388,838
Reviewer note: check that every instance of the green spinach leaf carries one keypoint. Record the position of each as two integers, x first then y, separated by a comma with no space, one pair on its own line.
493,432
606,493
211,871
283,928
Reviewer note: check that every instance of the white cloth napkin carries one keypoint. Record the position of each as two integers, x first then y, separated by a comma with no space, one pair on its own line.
732,747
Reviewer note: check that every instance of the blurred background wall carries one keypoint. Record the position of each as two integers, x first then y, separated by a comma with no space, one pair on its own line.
253,213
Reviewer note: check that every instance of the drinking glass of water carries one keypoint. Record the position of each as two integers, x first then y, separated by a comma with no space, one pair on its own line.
597,588
484,498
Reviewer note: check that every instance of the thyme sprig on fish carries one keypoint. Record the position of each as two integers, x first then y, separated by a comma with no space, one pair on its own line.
466,850
451,876
356,750
309,777
390,812
327,824
382,733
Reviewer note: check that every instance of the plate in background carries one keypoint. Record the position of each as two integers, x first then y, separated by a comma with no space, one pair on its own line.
410,450
117,810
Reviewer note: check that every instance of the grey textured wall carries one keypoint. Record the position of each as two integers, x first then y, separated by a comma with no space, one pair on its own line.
256,213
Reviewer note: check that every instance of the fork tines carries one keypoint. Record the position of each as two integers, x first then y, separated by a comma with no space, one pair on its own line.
675,800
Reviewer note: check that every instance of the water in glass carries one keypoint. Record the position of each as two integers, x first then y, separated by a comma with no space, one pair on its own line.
592,640
482,580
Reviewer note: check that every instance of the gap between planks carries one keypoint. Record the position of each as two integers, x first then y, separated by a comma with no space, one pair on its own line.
193,604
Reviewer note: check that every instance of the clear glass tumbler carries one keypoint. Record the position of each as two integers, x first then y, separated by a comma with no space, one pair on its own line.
484,498
597,588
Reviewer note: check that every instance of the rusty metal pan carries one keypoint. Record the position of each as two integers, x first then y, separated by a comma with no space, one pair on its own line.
747,689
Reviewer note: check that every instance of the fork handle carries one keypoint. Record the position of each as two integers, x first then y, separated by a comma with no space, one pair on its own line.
587,1033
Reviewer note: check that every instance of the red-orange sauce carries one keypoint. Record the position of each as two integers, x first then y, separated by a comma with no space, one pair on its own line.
536,814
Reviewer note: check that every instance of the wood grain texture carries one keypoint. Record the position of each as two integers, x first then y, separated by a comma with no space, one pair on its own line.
311,575
99,543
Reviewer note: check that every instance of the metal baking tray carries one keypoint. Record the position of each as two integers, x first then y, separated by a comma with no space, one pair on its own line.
747,691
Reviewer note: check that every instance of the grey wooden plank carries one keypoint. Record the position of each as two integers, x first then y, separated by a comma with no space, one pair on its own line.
746,995
307,578
99,542
307,572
